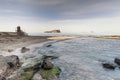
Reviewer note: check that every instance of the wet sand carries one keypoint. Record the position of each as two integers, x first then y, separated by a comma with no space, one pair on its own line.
9,44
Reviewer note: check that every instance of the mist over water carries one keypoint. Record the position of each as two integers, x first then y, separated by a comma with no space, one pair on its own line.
82,58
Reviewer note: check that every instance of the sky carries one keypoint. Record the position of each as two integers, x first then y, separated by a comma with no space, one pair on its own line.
70,16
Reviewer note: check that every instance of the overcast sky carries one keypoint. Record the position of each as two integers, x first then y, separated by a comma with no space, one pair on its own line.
71,16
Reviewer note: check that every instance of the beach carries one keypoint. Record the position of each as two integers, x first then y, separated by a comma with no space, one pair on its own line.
73,53
9,44
11,51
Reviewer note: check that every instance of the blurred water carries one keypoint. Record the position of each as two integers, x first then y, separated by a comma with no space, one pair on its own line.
81,58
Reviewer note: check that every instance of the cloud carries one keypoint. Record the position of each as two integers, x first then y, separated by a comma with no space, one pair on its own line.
42,2
60,9
92,8
96,25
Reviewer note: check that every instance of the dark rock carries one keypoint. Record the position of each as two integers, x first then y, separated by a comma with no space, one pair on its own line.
24,49
52,77
47,65
49,57
2,78
49,45
3,66
13,61
10,50
117,61
8,64
108,66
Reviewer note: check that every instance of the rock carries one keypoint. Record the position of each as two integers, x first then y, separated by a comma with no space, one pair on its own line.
3,66
52,77
27,75
48,73
53,31
47,65
49,45
108,66
117,61
2,78
24,49
37,77
13,61
10,50
33,67
8,65
49,57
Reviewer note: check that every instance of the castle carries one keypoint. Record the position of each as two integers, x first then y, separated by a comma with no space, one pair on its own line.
18,32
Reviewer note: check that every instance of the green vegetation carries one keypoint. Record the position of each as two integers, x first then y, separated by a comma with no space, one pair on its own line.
46,73
28,72
27,75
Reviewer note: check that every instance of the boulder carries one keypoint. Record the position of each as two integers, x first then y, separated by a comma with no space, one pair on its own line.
49,45
2,78
24,49
13,61
47,65
50,74
3,66
108,66
117,61
10,50
8,65
37,77
52,77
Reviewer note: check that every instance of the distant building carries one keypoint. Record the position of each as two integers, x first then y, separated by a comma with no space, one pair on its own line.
53,31
18,32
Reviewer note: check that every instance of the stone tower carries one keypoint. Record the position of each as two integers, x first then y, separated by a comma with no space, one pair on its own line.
18,29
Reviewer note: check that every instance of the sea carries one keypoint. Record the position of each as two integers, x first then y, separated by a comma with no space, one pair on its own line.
82,58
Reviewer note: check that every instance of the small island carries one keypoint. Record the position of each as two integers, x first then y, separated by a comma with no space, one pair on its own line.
53,31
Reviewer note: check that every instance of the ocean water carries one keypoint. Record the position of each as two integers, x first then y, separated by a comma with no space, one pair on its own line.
82,58
79,58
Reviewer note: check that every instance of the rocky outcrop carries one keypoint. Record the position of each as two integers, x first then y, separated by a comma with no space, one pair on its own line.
117,61
53,31
37,77
24,49
47,65
49,45
109,66
8,64
13,60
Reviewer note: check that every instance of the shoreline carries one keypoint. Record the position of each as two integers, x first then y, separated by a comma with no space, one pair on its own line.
9,46
11,43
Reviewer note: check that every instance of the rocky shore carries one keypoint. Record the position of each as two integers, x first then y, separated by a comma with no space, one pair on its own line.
20,61
29,66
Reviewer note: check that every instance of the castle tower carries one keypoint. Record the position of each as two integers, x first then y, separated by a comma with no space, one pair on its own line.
18,29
